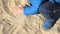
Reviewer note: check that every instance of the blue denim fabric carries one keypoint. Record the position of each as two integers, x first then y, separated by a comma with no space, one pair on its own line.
47,10
48,24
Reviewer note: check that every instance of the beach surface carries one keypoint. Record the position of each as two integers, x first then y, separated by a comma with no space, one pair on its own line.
11,23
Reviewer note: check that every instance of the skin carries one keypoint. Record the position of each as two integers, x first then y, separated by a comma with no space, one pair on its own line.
18,9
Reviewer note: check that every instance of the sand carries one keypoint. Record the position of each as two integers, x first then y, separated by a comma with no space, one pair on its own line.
11,23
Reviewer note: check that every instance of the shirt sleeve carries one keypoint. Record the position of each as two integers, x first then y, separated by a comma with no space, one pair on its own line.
31,10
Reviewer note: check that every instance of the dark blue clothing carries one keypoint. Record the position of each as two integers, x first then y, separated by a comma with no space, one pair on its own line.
51,12
47,9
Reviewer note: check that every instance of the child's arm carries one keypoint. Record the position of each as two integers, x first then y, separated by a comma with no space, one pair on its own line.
34,8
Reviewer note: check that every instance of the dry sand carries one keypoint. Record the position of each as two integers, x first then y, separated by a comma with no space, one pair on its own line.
10,23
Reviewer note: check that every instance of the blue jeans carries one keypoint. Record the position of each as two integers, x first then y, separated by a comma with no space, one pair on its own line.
50,10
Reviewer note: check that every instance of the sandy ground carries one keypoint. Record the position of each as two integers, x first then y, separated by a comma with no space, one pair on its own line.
10,23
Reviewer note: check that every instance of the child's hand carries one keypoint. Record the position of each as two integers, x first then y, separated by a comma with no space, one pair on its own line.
18,9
